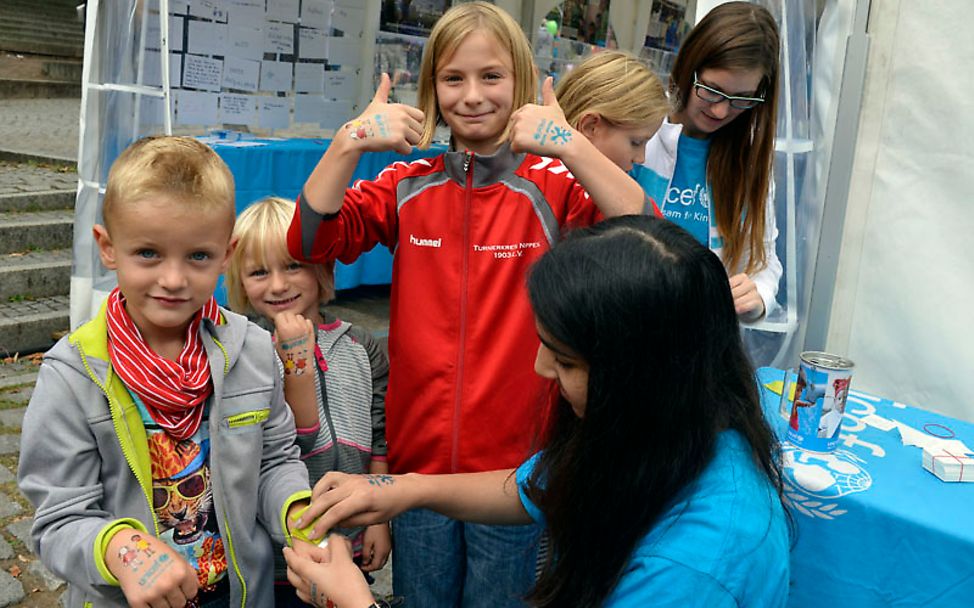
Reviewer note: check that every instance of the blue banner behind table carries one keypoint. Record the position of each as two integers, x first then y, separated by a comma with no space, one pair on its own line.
874,528
280,168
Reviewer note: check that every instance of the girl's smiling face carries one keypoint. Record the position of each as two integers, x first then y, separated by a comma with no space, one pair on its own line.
475,93
557,362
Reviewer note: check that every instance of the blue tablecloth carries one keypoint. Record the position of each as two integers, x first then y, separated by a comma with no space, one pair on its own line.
280,168
875,529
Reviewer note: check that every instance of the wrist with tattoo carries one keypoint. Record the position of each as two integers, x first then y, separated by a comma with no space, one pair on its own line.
295,353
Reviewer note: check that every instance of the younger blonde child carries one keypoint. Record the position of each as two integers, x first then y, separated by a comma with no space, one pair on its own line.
335,373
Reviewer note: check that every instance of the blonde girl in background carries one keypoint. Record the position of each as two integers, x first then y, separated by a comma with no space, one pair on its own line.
335,373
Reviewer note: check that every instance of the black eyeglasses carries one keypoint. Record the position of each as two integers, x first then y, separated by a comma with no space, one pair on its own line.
712,95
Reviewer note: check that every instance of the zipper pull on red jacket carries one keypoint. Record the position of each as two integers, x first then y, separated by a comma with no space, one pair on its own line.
467,155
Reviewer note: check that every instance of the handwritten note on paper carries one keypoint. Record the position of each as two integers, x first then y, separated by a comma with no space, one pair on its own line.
309,78
340,85
238,109
309,108
350,20
316,13
246,13
152,69
279,38
312,43
202,73
207,38
241,74
344,51
153,34
275,75
195,108
274,112
245,43
283,10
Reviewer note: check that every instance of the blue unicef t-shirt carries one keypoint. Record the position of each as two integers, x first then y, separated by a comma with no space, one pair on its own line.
723,541
687,202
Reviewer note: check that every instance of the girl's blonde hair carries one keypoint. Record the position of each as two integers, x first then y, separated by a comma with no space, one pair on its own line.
616,86
260,230
449,32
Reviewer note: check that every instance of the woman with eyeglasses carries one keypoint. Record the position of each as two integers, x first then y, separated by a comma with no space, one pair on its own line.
709,165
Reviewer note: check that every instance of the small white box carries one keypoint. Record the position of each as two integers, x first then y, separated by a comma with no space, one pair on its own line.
949,466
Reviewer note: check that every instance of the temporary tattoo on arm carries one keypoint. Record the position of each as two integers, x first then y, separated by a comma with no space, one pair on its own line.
371,127
319,599
155,570
294,342
296,366
129,557
380,480
547,129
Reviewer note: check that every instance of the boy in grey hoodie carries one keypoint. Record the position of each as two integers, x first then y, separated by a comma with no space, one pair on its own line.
157,447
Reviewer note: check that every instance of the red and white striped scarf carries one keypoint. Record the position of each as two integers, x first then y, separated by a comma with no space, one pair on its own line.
174,392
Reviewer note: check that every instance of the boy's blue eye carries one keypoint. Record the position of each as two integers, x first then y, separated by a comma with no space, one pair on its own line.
199,256
146,253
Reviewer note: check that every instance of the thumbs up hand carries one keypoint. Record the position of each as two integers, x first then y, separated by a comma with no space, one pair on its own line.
542,130
385,126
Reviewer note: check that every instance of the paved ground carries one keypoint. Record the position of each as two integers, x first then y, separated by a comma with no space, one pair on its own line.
21,178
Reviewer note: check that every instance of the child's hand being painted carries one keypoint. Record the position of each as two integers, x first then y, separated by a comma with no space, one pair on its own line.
542,130
295,342
386,126
149,572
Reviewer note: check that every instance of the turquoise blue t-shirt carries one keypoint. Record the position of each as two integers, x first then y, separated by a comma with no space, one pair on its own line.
687,202
724,542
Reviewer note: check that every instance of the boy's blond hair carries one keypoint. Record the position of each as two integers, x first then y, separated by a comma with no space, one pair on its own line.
451,30
616,86
180,168
260,229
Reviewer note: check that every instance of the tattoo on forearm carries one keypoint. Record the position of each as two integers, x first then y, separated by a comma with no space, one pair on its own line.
155,571
295,365
547,129
293,342
380,480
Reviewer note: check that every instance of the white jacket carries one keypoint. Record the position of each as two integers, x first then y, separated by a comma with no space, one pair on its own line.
656,175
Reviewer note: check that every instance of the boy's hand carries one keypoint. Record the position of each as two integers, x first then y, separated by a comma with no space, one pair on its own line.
330,575
295,341
542,130
376,546
149,572
386,126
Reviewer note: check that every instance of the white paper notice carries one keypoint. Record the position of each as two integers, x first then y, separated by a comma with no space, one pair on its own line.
283,10
312,43
176,7
309,78
350,20
315,13
309,108
151,110
238,109
345,51
194,108
245,43
152,70
275,75
339,85
153,36
274,112
202,8
246,13
241,74
207,38
279,38
337,113
202,73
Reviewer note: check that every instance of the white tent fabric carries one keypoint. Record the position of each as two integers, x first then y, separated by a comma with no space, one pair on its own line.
902,304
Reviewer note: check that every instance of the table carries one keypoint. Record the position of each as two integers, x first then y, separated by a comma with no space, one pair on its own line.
876,529
280,168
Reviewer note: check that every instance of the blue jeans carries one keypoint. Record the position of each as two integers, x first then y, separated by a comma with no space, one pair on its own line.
438,562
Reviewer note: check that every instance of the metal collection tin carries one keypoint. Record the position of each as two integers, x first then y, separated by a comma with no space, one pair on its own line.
819,404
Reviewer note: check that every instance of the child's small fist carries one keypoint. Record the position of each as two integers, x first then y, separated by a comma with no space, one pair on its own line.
149,572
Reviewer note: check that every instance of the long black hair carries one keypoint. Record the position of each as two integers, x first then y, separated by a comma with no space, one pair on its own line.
650,310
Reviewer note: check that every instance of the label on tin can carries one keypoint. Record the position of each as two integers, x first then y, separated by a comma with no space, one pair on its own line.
819,403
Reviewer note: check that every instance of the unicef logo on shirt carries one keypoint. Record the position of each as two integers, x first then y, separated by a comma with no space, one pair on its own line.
814,481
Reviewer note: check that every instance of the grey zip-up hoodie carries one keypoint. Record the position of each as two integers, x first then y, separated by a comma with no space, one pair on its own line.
84,460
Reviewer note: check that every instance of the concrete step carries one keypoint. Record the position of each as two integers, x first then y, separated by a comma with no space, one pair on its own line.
36,230
38,89
28,326
35,274
37,201
33,186
21,44
14,66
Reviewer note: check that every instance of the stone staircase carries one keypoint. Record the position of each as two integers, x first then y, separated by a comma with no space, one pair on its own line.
36,228
41,27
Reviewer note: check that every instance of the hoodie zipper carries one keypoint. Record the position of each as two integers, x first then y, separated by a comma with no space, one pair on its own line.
464,279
